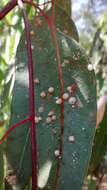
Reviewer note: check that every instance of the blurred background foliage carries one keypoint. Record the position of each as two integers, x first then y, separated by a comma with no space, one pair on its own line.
10,31
11,28
90,17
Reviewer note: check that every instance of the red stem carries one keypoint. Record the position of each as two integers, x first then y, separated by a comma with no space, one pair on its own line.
54,37
7,8
62,106
46,17
12,128
31,102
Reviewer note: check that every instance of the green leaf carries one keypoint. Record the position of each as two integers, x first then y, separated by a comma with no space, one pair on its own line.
92,185
100,144
65,5
66,25
1,168
79,120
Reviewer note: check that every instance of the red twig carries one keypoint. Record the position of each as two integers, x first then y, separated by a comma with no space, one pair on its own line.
46,17
62,105
7,8
31,102
12,128
54,37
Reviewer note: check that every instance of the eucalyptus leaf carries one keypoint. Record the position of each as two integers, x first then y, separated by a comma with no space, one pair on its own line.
79,117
